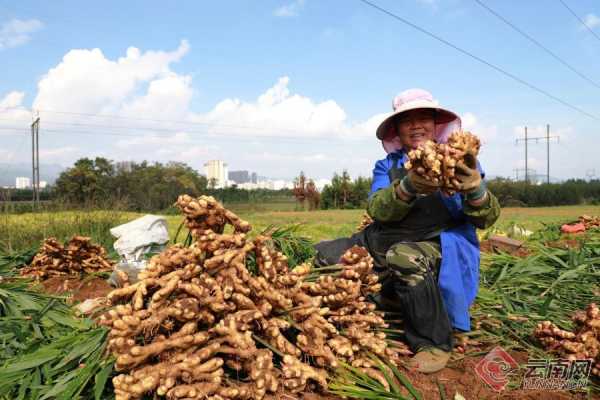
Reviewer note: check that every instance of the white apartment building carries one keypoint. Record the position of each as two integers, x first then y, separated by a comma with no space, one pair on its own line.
22,182
217,170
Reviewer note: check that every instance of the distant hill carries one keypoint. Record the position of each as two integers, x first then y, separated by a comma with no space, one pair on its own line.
8,172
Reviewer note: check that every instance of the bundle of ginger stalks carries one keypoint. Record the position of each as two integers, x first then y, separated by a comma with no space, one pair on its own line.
199,325
78,256
436,162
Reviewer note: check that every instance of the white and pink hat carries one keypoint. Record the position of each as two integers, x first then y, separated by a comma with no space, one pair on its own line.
446,121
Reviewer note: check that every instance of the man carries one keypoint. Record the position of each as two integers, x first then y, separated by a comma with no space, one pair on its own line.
423,242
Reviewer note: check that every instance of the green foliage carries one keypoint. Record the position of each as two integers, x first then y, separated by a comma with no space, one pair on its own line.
345,193
26,231
354,383
295,247
48,353
140,186
550,284
9,262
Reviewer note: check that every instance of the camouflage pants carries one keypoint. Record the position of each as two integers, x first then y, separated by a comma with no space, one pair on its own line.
411,261
408,272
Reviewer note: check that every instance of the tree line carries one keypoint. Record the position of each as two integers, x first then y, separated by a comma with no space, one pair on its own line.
148,186
143,186
522,194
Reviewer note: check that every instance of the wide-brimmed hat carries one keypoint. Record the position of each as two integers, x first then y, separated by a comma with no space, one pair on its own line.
414,99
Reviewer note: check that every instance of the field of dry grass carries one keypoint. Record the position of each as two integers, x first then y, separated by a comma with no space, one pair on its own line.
21,231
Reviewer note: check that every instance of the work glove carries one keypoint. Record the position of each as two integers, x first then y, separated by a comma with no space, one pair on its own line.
414,184
469,178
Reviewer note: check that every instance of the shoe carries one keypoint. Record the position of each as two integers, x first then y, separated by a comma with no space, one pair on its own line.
429,360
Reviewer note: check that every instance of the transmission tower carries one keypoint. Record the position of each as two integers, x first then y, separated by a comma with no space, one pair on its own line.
547,138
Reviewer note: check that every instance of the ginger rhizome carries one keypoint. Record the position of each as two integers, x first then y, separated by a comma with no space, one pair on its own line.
199,325
436,162
78,256
581,343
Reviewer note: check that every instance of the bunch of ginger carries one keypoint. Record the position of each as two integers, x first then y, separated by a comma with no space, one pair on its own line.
200,325
436,162
78,256
582,343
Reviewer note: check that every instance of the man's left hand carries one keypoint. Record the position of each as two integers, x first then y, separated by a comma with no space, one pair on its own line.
467,174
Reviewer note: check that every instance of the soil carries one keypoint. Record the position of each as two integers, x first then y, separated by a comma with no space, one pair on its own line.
487,247
80,289
565,244
460,377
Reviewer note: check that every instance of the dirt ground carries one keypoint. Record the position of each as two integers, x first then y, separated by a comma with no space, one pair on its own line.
487,247
460,377
80,289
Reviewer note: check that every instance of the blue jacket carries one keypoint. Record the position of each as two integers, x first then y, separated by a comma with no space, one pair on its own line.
459,271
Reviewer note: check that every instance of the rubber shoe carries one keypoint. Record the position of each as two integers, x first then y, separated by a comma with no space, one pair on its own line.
429,360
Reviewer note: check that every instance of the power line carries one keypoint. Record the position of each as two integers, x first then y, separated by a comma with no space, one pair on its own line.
481,60
157,136
204,125
537,43
580,20
153,120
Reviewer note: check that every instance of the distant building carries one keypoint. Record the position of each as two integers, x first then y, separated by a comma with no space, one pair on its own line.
43,184
216,170
239,176
124,166
22,182
254,178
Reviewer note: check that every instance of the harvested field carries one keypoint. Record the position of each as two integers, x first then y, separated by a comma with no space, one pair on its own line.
549,278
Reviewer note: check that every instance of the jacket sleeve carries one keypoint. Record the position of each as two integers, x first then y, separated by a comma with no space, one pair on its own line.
486,214
381,180
384,205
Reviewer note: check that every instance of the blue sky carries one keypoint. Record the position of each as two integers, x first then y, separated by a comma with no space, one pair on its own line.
280,86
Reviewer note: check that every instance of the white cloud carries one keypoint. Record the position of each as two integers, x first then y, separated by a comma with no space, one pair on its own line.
591,21
12,100
58,154
487,133
290,10
278,112
159,141
12,112
306,158
17,32
68,85
142,85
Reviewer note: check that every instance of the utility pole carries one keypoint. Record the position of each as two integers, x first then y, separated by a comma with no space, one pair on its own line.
526,158
35,161
537,139
548,153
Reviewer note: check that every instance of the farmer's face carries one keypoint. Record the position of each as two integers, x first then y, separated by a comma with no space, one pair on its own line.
415,127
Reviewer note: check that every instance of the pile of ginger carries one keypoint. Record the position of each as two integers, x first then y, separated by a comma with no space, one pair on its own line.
78,256
436,162
199,325
581,343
